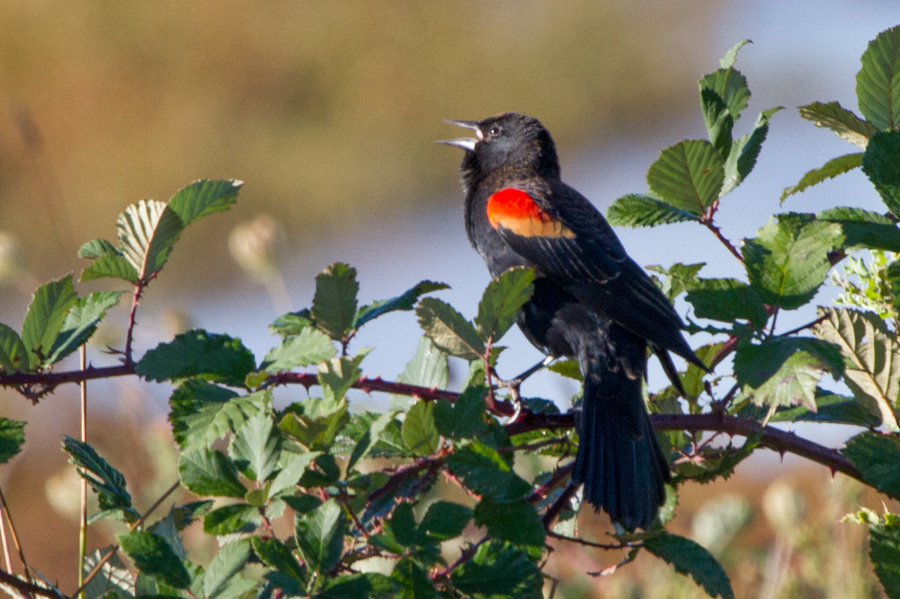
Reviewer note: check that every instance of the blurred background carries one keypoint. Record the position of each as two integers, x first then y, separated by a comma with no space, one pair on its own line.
328,112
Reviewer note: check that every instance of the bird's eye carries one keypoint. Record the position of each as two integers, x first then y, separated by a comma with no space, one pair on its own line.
495,131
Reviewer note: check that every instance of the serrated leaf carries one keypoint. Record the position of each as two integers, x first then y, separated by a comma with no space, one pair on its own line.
95,248
884,551
292,323
206,472
276,554
147,233
367,585
501,301
872,358
419,431
153,556
406,301
414,580
567,368
486,473
204,197
516,522
428,368
111,264
727,61
12,436
334,303
224,567
370,438
881,164
830,408
81,323
212,357
445,520
878,81
499,569
202,412
45,317
726,300
731,86
310,346
107,482
449,330
744,152
112,577
678,277
843,122
877,457
637,210
292,469
692,378
690,558
13,353
788,260
320,536
718,120
185,515
166,529
864,229
688,175
464,418
258,444
337,375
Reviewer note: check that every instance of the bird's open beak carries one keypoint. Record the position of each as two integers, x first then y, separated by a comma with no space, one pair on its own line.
466,143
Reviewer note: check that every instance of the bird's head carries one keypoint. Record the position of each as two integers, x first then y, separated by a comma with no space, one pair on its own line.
506,141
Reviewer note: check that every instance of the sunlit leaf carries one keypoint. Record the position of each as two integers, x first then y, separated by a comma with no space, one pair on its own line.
843,122
690,558
878,81
688,175
449,330
636,210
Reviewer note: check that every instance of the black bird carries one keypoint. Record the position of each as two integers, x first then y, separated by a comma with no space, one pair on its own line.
591,302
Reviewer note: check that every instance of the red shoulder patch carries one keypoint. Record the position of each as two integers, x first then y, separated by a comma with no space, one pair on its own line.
516,211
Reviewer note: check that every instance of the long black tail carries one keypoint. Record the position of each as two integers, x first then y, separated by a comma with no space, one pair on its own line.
619,459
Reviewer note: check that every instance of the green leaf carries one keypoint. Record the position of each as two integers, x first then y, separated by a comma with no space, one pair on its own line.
206,472
402,525
688,175
731,86
428,368
679,277
185,515
690,558
147,232
292,468
213,357
204,197
727,300
233,518
292,323
153,556
719,121
636,210
464,418
334,303
499,569
414,580
872,359
788,260
727,61
13,353
692,378
501,301
881,164
567,368
317,423
95,248
744,152
12,436
258,444
370,437
81,323
276,554
864,229
320,536
406,301
419,431
111,264
884,551
107,482
878,459
486,473
516,522
830,408
311,346
368,585
449,330
843,122
202,412
878,82
445,520
45,317
224,567
337,375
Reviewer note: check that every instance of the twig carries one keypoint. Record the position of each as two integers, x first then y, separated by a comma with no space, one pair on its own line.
82,526
587,543
52,379
707,219
14,534
27,587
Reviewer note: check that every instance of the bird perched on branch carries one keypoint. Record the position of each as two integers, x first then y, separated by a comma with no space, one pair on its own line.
591,302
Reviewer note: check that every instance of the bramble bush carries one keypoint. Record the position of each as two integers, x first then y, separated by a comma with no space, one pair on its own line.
359,485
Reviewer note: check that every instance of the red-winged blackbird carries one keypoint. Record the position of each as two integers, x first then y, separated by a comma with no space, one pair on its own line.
591,302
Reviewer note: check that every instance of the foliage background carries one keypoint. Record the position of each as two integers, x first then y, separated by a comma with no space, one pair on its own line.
328,113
